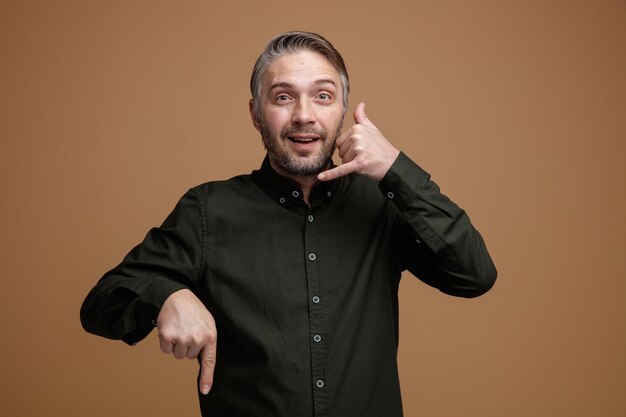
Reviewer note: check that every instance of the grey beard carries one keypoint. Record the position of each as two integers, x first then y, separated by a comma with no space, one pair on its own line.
290,164
297,168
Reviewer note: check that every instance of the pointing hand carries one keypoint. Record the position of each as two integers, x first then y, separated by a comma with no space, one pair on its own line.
187,330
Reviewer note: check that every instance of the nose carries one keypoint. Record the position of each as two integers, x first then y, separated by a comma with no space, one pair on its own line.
303,113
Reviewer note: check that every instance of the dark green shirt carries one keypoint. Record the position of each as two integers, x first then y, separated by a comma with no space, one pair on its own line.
305,299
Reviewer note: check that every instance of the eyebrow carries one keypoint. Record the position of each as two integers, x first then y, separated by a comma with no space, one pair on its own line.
289,85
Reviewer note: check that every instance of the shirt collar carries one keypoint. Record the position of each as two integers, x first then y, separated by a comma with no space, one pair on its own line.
286,191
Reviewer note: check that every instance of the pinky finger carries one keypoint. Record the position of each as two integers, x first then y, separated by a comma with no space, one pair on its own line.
339,171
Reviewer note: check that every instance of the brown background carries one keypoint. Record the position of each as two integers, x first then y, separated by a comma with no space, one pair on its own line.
110,110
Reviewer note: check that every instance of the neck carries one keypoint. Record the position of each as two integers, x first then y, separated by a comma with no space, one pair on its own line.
306,182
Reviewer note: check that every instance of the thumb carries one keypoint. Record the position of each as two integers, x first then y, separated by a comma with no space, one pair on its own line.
360,117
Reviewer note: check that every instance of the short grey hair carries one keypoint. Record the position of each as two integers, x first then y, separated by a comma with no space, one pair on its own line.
290,42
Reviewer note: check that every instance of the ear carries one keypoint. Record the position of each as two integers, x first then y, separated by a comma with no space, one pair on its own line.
255,120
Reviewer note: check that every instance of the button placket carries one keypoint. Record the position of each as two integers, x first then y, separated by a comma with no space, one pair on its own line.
316,309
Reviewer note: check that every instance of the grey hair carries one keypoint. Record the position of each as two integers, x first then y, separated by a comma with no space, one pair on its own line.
290,42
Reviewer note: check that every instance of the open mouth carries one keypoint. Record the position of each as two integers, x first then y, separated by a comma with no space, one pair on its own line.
298,139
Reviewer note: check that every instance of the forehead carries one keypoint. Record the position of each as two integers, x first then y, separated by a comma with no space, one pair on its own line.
299,68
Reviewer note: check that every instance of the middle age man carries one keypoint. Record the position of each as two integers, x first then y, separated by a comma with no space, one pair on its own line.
284,282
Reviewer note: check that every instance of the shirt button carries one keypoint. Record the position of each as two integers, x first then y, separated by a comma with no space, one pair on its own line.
282,200
316,299
390,195
329,194
295,194
319,383
310,218
317,338
312,256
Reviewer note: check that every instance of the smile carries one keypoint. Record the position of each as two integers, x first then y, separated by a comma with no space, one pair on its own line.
303,139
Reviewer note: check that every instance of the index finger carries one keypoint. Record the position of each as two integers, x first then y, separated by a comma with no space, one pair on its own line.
338,171
207,366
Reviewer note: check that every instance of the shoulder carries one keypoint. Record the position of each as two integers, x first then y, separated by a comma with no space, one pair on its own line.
362,195
235,187
363,189
239,181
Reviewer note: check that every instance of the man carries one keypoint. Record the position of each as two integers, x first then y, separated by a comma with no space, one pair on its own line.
283,283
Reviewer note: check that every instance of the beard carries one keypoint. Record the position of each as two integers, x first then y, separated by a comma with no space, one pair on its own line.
295,163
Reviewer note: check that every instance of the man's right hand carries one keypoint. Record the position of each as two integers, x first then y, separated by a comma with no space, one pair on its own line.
187,330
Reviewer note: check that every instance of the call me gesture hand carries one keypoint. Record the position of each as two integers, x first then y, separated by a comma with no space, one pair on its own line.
363,149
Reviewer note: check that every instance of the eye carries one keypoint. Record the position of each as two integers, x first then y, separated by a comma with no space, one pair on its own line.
324,96
281,97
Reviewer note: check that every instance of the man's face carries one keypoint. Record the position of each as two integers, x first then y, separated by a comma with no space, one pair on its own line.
301,113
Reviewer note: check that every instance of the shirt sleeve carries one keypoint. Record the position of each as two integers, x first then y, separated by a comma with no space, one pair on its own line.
439,245
126,301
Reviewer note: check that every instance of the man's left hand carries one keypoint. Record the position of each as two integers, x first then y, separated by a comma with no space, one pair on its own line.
362,149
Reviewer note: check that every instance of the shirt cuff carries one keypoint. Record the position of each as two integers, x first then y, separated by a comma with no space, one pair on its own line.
402,182
410,189
147,308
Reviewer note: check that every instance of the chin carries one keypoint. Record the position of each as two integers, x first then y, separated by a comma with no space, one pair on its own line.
304,167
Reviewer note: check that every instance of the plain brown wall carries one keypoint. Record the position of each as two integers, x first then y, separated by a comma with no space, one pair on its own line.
110,110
